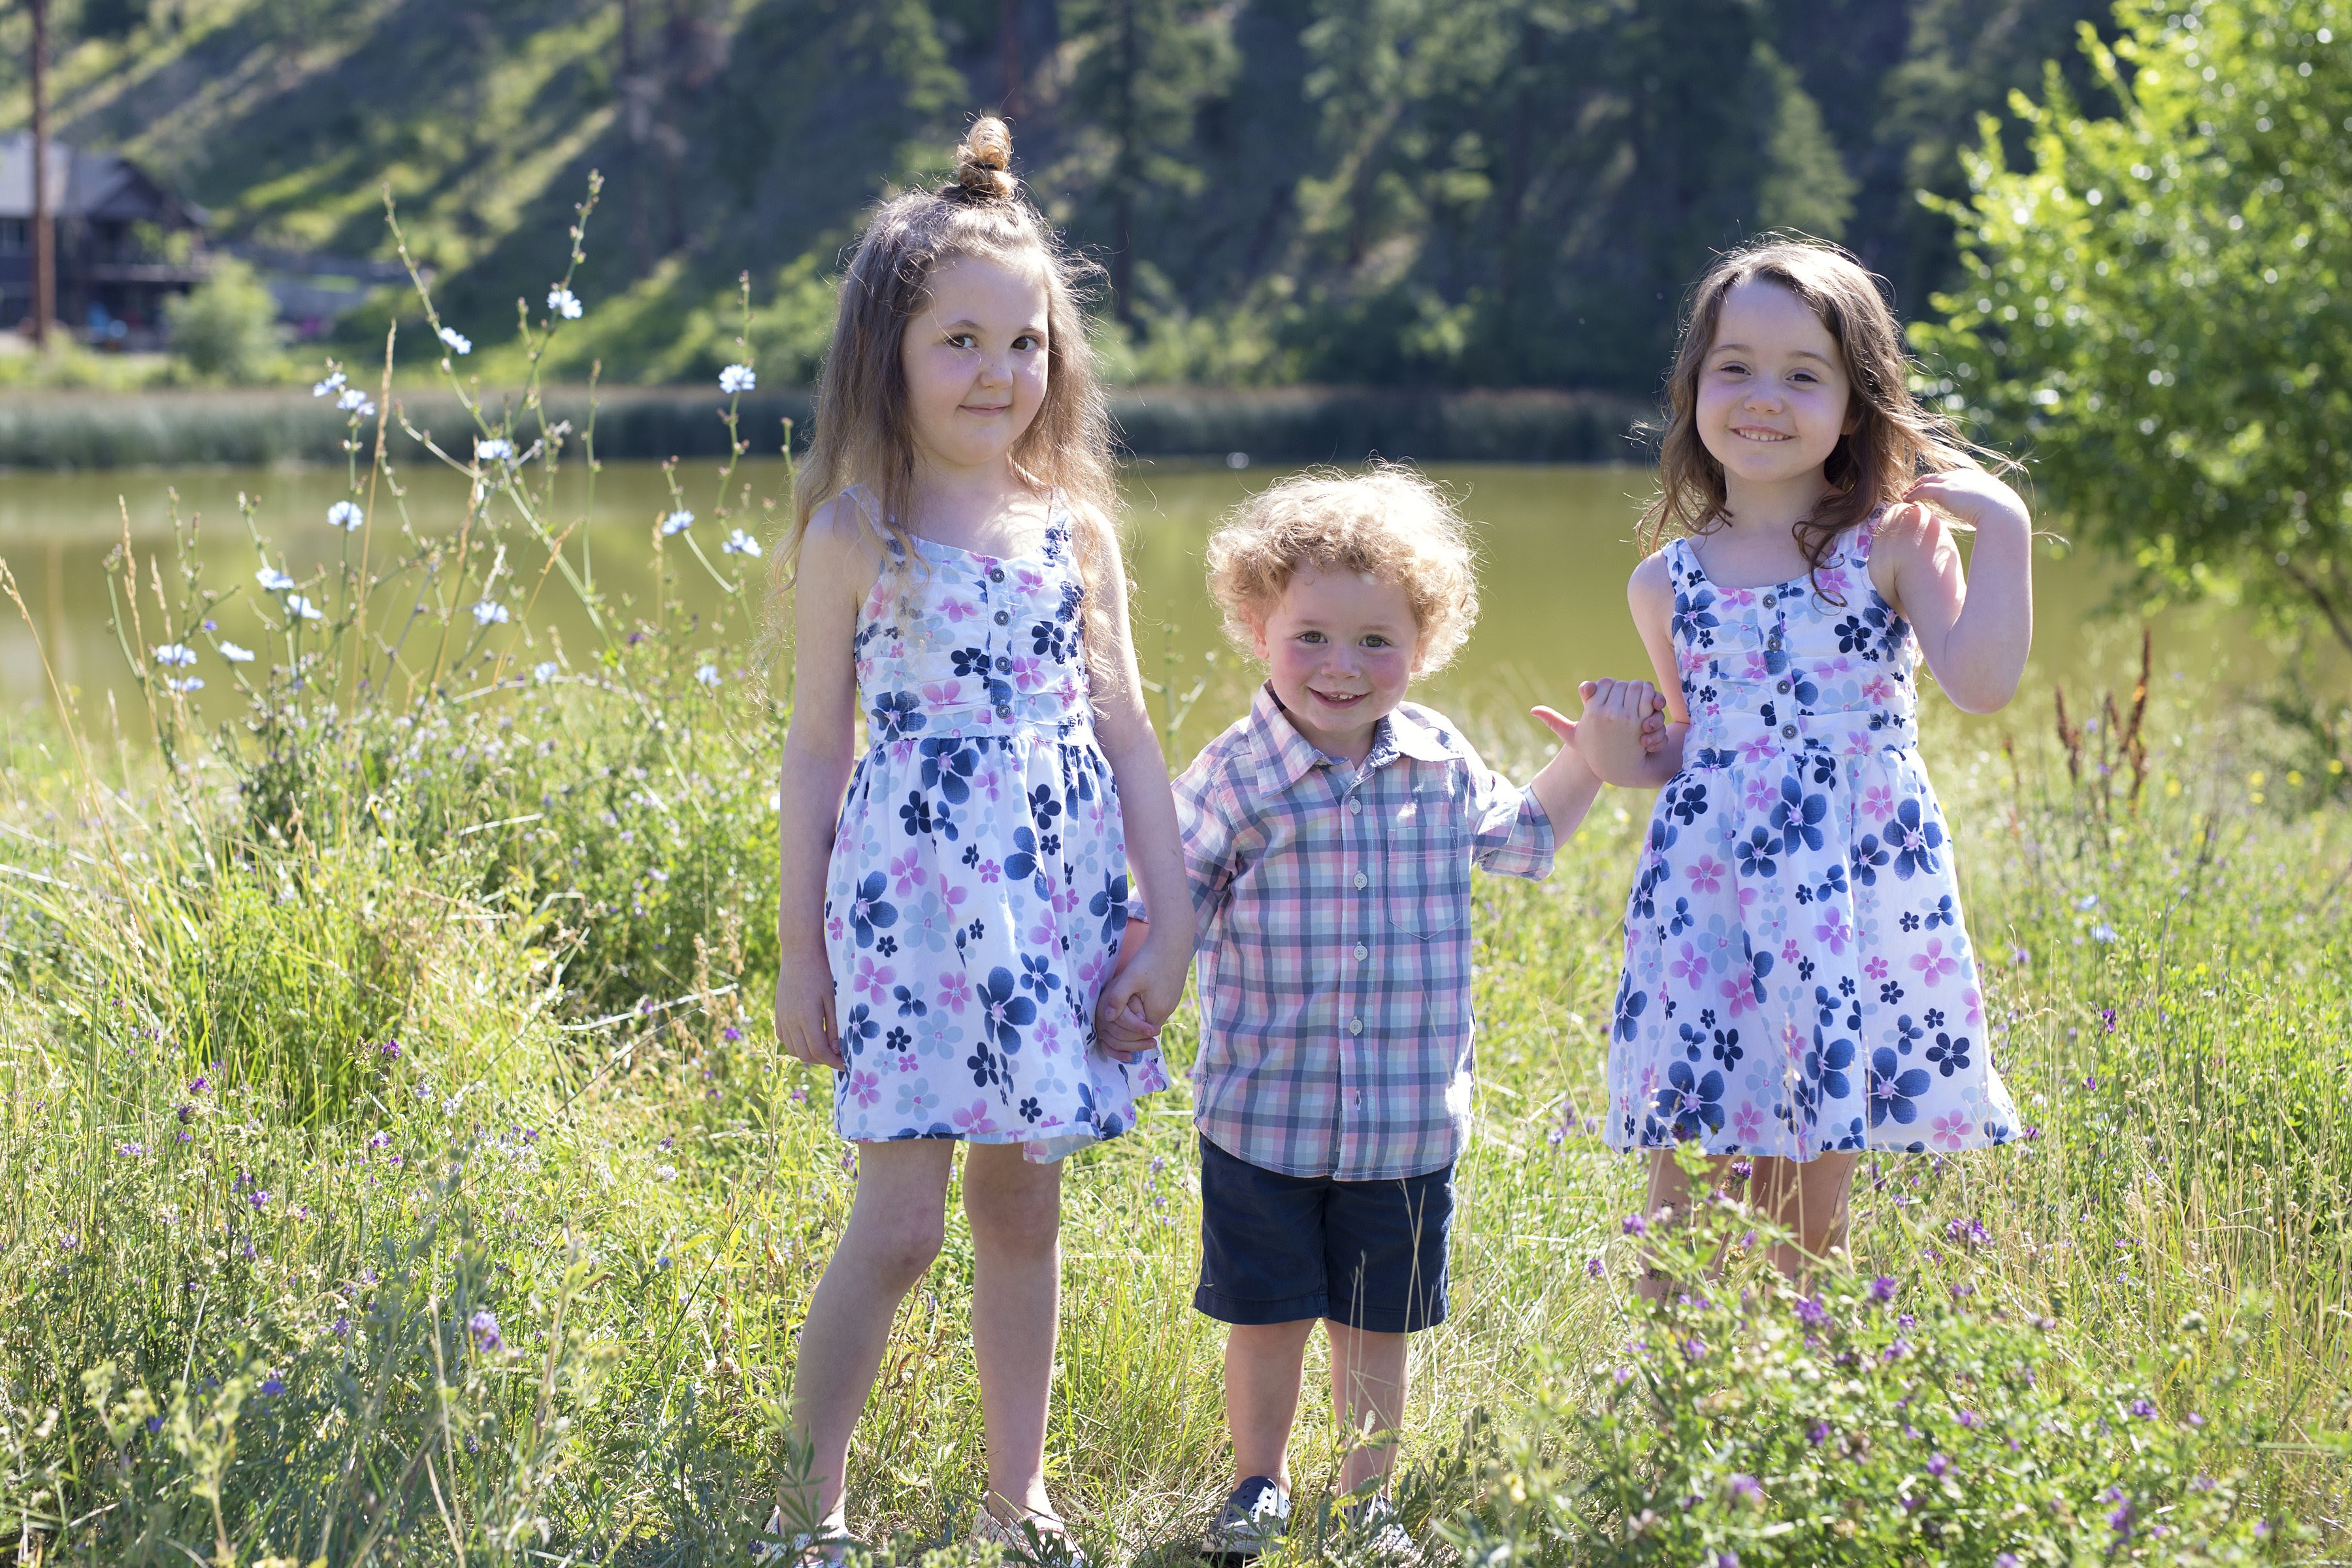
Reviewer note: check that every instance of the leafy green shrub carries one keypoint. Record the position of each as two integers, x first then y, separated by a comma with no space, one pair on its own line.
226,329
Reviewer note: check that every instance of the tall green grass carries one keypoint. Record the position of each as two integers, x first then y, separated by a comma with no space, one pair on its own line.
401,1169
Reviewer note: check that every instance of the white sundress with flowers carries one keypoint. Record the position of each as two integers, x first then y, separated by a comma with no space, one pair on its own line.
1798,978
977,889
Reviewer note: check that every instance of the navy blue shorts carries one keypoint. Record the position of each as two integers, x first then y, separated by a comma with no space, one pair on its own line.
1278,1248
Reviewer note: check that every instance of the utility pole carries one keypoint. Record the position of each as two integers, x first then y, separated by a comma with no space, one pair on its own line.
45,254
1008,36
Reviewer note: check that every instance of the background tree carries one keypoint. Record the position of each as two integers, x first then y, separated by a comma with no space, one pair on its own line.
226,329
2159,303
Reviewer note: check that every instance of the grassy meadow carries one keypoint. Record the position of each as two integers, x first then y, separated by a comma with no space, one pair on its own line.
400,1167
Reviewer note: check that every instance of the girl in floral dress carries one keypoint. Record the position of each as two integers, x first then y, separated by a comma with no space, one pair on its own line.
950,925
1798,982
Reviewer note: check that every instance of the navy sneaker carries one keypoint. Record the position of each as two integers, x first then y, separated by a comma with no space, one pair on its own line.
1252,1519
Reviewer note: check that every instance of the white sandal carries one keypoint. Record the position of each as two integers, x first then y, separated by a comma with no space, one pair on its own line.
1029,1542
772,1548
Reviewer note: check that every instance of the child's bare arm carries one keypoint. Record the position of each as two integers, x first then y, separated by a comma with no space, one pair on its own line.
1611,734
1975,627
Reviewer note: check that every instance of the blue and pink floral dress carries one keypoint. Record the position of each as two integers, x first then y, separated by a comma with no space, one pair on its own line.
977,890
1798,978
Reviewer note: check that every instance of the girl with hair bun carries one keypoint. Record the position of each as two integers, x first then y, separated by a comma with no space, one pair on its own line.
952,927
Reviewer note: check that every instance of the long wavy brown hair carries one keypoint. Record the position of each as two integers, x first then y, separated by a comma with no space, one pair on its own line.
1895,439
863,434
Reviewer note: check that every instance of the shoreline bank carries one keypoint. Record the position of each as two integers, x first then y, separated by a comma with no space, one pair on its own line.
76,430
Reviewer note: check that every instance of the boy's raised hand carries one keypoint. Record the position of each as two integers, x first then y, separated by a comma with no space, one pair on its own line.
1624,724
1605,698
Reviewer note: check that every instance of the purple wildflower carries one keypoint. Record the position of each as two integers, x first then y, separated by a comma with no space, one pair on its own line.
1882,1287
2142,1408
1818,1433
272,1386
1592,1266
259,1198
1895,1351
1745,1489
1636,1225
1937,1465
1812,1313
730,1034
1971,1419
486,1337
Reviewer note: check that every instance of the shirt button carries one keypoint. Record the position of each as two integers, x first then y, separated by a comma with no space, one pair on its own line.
1363,952
1767,601
1355,1025
1355,805
1363,880
1788,731
1004,710
1002,616
999,664
996,574
1003,664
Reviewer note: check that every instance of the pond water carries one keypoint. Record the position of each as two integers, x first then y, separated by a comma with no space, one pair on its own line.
1556,543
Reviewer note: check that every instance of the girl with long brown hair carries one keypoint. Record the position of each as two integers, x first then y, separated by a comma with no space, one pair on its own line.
1799,984
951,928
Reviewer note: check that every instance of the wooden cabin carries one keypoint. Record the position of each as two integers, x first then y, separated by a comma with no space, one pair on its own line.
124,242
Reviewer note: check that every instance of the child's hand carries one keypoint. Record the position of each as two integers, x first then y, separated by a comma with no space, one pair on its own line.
1615,734
1653,721
1971,497
804,1009
1146,981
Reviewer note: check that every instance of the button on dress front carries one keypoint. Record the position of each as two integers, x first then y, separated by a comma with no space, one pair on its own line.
1797,974
977,890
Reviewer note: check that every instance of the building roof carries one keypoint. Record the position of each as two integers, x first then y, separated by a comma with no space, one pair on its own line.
86,184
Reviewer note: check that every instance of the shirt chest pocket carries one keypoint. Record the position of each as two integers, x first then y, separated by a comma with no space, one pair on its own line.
1426,891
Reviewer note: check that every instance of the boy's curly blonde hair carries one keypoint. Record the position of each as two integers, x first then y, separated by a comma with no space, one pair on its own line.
1389,521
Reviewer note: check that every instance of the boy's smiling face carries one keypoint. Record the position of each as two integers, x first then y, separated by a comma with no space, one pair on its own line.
1341,648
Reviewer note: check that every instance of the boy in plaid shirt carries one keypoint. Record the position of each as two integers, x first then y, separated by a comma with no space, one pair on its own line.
1330,837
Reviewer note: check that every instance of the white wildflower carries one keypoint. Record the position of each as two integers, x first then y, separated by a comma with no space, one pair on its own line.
333,382
677,521
345,515
295,605
178,654
665,1173
354,400
497,449
543,672
740,543
564,303
737,378
273,580
192,683
235,655
487,612
708,674
2103,933
457,340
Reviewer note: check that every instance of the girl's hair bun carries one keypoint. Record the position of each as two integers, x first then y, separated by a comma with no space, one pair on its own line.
982,160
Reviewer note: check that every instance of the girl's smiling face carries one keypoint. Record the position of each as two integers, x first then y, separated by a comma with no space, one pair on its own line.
1773,394
1341,648
975,362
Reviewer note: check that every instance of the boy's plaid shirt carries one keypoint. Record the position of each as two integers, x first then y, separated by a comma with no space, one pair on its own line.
1333,906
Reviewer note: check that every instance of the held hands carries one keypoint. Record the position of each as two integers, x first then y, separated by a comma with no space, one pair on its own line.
1624,722
804,1009
1145,984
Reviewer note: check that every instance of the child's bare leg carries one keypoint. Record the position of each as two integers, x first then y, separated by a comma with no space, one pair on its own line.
1015,1210
1670,1190
1811,1198
895,1224
1264,1362
1368,1390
